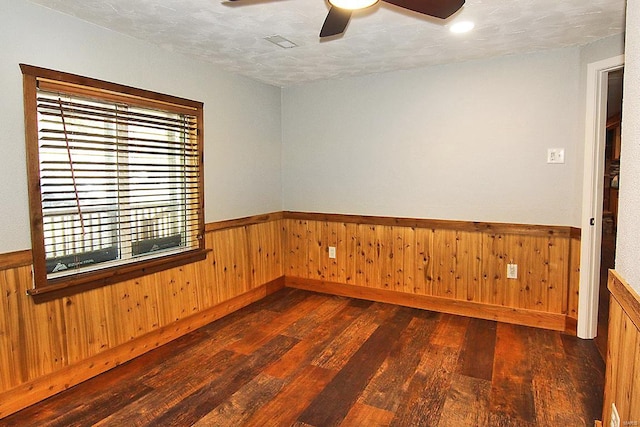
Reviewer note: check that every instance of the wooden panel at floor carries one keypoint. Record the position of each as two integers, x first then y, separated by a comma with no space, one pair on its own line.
622,386
468,266
422,258
30,337
459,265
296,248
574,277
40,339
346,259
265,251
444,256
397,366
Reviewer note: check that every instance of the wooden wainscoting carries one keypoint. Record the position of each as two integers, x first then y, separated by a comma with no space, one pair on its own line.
452,266
54,345
622,376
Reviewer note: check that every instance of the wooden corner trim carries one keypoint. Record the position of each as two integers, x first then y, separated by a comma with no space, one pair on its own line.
571,326
470,226
15,259
626,296
243,222
575,233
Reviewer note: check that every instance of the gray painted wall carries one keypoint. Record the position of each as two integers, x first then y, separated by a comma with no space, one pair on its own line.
628,244
242,117
465,141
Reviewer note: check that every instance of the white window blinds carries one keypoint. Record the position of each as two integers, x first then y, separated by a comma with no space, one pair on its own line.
118,182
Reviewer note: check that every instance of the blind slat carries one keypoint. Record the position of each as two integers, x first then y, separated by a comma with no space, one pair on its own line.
112,174
101,112
95,105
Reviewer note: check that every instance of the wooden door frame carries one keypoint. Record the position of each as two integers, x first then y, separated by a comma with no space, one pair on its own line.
592,196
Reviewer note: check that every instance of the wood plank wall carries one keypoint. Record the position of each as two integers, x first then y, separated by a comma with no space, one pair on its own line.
38,340
462,262
622,377
50,346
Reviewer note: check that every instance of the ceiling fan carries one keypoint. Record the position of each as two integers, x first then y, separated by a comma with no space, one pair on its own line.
340,12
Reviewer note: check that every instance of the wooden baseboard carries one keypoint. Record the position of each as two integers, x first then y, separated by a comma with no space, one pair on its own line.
538,319
41,388
571,325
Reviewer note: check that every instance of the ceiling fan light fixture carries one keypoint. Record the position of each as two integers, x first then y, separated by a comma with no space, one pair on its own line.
353,4
462,27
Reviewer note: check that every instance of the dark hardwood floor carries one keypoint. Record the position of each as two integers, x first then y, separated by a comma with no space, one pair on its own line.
306,359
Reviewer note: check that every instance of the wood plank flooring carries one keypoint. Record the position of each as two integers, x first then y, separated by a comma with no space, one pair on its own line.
298,358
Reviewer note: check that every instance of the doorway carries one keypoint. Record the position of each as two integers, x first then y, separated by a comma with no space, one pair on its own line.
611,181
593,193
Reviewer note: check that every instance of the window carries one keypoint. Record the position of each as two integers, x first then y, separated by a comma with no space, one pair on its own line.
115,181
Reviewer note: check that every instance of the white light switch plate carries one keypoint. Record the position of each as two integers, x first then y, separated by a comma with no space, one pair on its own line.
332,252
512,271
555,155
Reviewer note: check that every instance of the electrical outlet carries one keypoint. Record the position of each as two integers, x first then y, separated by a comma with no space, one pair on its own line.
615,417
332,252
512,271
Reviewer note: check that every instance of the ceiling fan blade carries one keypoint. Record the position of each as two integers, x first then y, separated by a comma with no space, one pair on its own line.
438,8
336,22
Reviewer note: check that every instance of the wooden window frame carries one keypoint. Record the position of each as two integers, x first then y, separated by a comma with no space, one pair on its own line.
44,288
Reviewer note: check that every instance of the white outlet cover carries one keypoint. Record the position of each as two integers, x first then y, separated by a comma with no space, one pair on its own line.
555,155
512,271
332,252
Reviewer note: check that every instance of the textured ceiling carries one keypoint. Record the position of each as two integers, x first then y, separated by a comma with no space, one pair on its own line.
380,39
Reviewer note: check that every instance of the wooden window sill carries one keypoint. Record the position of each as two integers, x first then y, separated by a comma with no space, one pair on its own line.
71,285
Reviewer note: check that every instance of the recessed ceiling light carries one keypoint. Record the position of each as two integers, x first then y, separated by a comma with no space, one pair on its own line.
281,41
462,27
